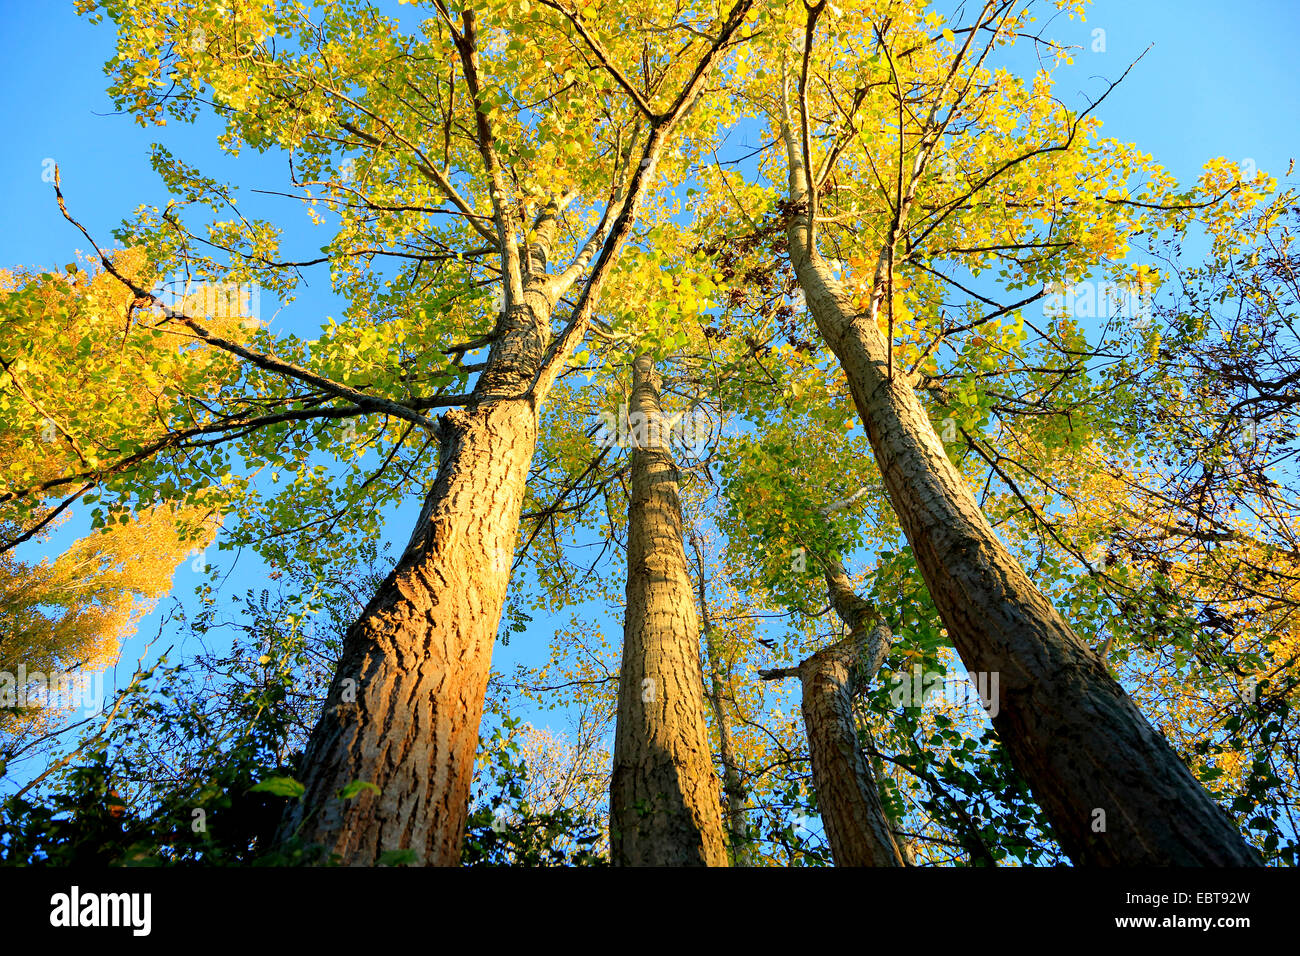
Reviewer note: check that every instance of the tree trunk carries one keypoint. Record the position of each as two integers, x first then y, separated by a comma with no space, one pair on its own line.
731,785
403,710
664,807
1114,789
857,827
404,707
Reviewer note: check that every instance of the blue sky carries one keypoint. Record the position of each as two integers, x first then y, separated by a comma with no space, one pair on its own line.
1219,80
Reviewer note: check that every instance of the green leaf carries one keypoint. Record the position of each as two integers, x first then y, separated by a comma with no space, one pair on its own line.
280,786
356,787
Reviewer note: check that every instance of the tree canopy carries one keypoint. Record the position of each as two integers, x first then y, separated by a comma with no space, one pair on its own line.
914,324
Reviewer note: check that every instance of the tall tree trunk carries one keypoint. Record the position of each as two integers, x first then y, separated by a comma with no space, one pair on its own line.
731,785
1114,789
403,710
857,827
404,707
663,794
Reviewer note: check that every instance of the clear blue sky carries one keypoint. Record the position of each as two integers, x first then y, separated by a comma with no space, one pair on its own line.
1219,81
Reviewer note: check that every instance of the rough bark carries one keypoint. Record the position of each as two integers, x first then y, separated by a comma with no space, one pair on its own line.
1115,791
857,827
664,807
404,707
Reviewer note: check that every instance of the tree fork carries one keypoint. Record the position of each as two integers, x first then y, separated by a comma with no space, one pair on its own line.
857,827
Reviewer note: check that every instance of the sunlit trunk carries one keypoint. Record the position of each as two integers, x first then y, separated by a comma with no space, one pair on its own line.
404,707
1113,788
